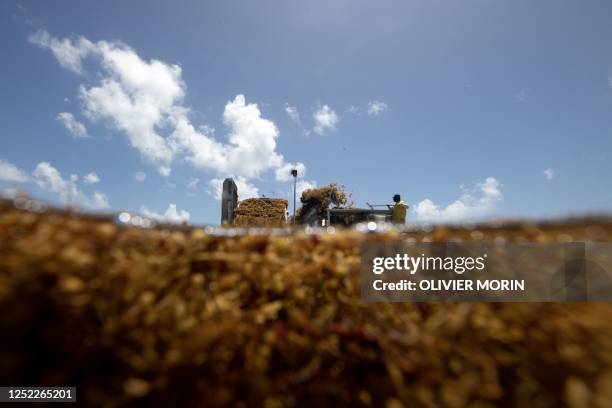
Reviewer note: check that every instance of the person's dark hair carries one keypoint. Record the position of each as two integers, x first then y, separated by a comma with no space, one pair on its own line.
396,198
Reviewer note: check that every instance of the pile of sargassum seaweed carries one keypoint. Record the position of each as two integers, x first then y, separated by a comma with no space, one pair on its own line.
261,212
179,317
315,201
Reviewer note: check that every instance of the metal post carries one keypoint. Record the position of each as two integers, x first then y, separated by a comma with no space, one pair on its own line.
294,173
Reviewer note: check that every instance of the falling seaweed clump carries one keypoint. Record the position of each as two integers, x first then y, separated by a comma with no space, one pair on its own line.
316,201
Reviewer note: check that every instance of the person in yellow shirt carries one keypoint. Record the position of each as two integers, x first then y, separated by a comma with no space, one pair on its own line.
398,210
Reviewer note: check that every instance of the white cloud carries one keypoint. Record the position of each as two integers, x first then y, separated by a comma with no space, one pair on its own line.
252,140
303,185
375,108
10,193
144,100
171,214
99,201
469,206
325,119
136,97
293,113
76,128
245,189
164,171
193,183
68,53
140,176
283,173
91,178
49,178
549,174
10,172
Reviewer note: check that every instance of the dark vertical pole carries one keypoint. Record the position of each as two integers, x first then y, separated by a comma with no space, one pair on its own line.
294,174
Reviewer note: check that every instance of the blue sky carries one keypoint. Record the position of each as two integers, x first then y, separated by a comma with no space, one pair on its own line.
471,109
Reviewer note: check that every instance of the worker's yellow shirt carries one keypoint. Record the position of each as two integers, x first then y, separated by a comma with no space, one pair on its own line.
398,214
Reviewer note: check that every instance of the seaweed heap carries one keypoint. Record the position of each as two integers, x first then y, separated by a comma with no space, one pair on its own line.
179,317
316,201
261,212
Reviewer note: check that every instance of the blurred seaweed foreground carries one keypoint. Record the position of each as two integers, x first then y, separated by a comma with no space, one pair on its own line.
179,317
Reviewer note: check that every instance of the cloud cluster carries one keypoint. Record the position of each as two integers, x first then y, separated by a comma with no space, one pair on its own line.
91,178
10,172
76,128
245,189
375,108
283,173
49,179
144,100
325,119
172,215
68,53
469,206
303,185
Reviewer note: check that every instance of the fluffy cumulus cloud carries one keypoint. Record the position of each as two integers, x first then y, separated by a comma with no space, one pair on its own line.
303,185
325,119
10,172
171,215
245,189
91,178
283,173
49,179
252,147
549,174
9,193
76,128
69,53
164,171
143,99
375,108
99,201
471,205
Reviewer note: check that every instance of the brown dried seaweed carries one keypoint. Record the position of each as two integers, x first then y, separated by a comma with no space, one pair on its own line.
261,212
318,200
179,317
